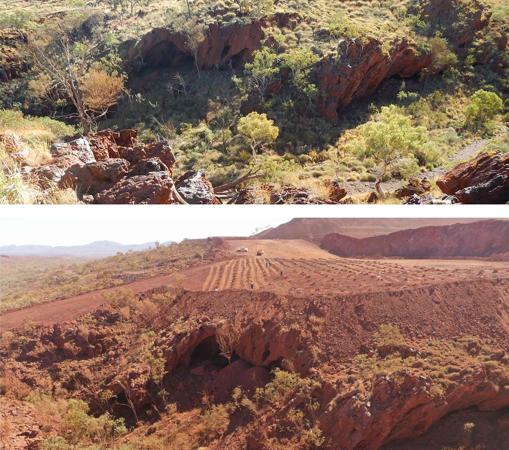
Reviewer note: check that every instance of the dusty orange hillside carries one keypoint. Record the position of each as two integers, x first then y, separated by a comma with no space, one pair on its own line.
387,365
316,229
269,352
278,248
295,266
480,239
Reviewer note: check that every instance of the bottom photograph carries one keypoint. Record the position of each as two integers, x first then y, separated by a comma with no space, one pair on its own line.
246,330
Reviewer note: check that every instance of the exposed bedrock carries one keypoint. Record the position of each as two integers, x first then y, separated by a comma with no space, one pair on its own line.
112,168
435,370
163,47
355,74
405,407
483,180
263,344
482,239
360,71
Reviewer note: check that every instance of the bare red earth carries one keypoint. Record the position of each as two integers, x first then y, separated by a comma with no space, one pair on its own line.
304,310
315,229
480,239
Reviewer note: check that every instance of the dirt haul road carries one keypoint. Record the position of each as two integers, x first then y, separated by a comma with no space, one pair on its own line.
69,308
316,273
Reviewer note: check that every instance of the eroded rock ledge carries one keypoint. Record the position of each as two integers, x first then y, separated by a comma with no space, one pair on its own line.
113,168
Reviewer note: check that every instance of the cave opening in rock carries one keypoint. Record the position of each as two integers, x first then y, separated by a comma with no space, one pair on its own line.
122,409
166,54
225,51
240,58
208,351
277,364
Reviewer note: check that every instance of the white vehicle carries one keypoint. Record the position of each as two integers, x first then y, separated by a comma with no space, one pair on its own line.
243,250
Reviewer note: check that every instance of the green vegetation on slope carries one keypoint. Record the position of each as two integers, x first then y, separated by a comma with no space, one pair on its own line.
34,282
203,113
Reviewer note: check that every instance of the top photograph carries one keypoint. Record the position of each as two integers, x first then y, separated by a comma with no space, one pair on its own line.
254,102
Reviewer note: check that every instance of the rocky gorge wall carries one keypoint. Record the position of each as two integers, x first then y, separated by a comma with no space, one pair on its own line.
482,239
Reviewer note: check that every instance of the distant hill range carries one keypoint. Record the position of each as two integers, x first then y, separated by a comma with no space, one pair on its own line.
99,249
315,229
479,239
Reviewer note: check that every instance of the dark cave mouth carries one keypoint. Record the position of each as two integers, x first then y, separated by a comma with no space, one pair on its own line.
208,351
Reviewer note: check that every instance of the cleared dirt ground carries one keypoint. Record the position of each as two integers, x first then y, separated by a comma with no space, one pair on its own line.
341,276
293,267
279,248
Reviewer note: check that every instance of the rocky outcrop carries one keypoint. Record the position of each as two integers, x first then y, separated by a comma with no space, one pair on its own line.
155,189
163,47
78,150
457,20
428,199
354,74
446,352
111,167
414,187
481,239
404,406
94,177
67,159
336,192
239,373
259,344
483,180
12,61
361,68
196,189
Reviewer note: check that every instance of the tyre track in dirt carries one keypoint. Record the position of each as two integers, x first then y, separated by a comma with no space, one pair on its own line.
69,308
208,284
297,276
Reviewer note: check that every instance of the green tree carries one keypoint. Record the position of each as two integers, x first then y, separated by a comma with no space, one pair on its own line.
262,71
300,62
258,130
387,140
442,56
194,33
129,4
483,107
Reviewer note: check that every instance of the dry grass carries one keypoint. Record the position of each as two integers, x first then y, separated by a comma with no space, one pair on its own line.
32,281
121,22
25,141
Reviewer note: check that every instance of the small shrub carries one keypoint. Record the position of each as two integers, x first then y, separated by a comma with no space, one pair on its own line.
482,109
78,426
283,384
214,422
258,130
121,298
340,25
442,55
388,335
101,90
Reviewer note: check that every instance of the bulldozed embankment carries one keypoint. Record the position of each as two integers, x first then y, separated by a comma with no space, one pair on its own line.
386,365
